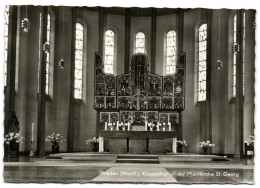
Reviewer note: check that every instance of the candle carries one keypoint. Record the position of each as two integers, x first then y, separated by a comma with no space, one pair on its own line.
117,125
145,126
32,132
158,128
128,126
170,126
105,125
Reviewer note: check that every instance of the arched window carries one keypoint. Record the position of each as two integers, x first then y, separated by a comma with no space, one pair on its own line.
39,49
140,42
48,54
79,47
170,62
234,56
109,53
50,30
244,49
6,41
202,64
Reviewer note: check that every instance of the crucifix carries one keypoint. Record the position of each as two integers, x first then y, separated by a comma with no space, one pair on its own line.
138,99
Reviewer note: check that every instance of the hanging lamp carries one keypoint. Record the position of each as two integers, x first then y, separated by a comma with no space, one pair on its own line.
26,25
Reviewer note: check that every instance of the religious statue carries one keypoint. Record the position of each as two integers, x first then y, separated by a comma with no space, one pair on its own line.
13,123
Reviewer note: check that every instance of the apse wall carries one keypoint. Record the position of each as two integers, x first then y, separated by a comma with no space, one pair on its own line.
223,127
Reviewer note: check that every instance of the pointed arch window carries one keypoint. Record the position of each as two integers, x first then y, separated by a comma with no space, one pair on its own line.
244,50
140,42
6,42
170,64
48,32
235,54
109,52
39,49
79,48
202,63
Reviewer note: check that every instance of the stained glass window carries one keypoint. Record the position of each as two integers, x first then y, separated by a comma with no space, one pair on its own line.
202,69
170,52
109,52
140,42
244,51
6,41
234,56
39,50
79,45
48,55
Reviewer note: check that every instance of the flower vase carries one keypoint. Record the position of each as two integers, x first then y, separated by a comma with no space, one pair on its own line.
95,147
179,149
13,150
55,148
205,151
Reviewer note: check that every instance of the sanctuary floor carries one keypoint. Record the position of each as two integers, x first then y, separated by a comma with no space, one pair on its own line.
41,170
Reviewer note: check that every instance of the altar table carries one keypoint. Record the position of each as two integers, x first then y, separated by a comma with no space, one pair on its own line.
154,142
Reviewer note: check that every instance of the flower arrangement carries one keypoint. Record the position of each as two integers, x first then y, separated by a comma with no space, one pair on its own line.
55,139
13,137
181,143
205,145
250,141
92,141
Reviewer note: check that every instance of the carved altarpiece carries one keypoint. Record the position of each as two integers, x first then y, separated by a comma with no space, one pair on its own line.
139,95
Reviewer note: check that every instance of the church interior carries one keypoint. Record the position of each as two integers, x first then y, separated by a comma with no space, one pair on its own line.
94,83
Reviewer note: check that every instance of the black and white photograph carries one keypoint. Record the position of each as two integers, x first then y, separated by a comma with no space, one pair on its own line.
128,94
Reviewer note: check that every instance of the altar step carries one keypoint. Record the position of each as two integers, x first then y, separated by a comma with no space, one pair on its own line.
82,156
137,159
192,158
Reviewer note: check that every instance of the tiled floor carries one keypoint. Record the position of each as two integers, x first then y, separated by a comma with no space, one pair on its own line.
28,170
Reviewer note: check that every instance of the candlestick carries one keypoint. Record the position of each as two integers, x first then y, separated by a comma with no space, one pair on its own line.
105,125
32,154
128,128
158,128
170,126
32,132
117,125
145,126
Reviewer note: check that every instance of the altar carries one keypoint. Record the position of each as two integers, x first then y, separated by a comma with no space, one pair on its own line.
139,142
139,112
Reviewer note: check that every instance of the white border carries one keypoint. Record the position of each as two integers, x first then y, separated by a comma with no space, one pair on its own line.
233,4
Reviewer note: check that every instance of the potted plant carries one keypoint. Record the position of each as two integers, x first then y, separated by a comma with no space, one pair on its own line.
250,141
13,139
205,145
55,140
180,145
94,142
